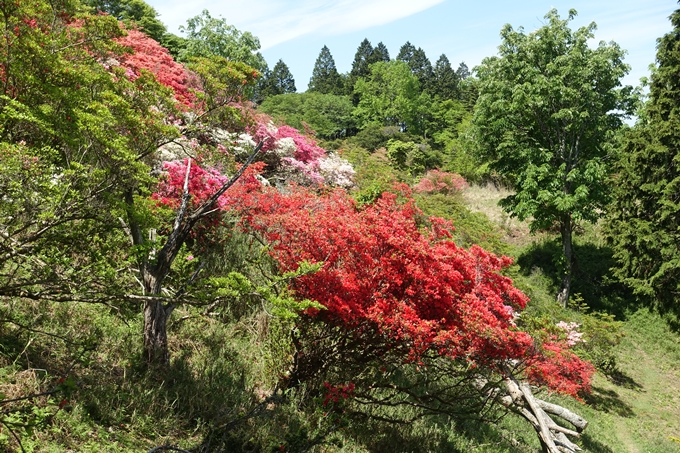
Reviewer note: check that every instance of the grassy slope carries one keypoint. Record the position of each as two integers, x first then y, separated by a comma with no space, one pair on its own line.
638,409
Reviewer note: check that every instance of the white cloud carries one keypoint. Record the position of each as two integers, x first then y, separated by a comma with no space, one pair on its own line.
278,21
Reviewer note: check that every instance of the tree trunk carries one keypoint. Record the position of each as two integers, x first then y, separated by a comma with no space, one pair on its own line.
568,254
155,321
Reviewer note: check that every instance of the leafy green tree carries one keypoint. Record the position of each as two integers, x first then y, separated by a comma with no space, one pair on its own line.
391,96
548,108
207,36
137,11
329,115
325,77
644,224
445,80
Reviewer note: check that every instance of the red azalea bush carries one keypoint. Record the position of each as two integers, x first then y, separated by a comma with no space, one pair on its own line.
413,288
150,55
437,181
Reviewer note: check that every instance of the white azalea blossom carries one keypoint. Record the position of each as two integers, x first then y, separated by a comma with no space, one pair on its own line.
337,171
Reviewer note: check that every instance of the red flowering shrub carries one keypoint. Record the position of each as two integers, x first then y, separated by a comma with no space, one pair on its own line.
336,394
415,290
203,183
437,181
150,55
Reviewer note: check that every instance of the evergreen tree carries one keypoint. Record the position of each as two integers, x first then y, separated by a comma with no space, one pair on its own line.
421,67
263,87
325,78
282,81
445,80
380,53
360,68
644,226
463,72
406,52
362,60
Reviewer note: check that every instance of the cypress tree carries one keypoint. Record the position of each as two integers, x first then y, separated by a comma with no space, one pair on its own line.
360,68
445,80
406,52
644,222
325,78
380,53
421,67
282,81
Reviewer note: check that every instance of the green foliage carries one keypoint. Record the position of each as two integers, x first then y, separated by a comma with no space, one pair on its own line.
644,221
470,227
408,156
543,86
325,77
236,287
208,36
329,115
391,96
136,12
446,81
548,109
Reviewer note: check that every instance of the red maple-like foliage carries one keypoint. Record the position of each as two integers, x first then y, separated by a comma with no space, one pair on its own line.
150,55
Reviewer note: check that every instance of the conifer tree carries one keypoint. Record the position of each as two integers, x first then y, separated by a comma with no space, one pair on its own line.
380,53
644,226
325,77
421,67
446,81
406,52
282,81
360,68
463,71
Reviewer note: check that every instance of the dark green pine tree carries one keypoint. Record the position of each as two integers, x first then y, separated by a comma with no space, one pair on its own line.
325,77
362,60
463,72
263,87
360,68
380,53
644,223
421,67
446,84
406,52
282,81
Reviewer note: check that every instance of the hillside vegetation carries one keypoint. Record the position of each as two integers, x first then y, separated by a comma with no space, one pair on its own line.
196,258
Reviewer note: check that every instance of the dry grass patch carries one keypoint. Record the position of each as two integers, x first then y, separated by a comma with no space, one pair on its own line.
484,199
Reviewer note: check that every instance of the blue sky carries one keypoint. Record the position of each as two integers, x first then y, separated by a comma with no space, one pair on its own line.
296,30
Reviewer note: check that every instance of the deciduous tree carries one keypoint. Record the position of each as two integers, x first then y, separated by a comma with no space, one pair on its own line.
391,96
549,105
207,36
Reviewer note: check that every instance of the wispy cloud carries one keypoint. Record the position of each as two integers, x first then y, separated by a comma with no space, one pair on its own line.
278,21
